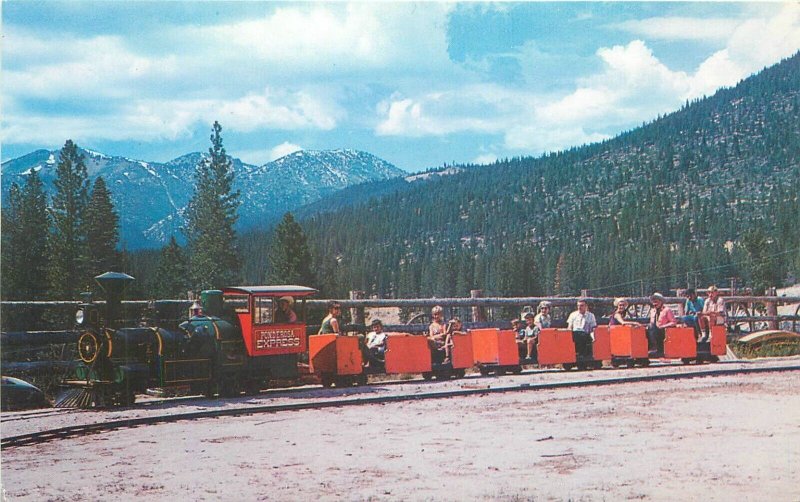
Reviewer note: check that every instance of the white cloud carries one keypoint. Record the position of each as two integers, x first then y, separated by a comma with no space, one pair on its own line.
283,150
633,86
680,28
154,119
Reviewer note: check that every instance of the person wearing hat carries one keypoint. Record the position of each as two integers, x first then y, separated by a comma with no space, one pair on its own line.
285,314
713,313
661,318
376,341
619,317
196,310
542,319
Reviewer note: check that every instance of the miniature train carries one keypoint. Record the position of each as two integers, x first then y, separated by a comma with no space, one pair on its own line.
242,339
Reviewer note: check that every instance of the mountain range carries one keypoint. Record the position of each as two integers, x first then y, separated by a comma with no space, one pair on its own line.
151,197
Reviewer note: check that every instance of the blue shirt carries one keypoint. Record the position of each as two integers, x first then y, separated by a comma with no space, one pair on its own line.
694,307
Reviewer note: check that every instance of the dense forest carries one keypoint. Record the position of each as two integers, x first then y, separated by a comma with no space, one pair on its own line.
700,195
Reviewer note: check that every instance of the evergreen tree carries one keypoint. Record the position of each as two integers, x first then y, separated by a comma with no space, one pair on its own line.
102,231
67,240
172,275
12,252
290,257
210,218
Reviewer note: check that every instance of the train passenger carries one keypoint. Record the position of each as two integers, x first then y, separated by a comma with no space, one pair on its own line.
518,327
454,327
620,315
692,309
531,335
542,319
713,313
582,323
330,324
285,314
661,318
376,342
437,333
196,310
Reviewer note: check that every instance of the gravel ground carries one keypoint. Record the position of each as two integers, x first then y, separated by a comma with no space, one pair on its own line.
714,438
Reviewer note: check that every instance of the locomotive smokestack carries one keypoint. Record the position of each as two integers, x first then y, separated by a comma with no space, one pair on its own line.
113,283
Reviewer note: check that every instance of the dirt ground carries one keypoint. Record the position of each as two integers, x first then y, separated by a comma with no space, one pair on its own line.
714,438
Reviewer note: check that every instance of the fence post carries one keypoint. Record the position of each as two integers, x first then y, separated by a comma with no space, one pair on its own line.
357,313
478,313
772,307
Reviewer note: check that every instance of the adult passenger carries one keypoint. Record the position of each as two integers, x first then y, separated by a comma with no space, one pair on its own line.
542,319
582,323
620,315
713,313
661,318
330,324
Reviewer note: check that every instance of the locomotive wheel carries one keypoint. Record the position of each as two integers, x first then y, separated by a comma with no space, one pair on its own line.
568,366
686,360
630,363
327,380
714,359
229,387
644,363
252,387
598,365
344,381
517,370
615,363
461,373
428,375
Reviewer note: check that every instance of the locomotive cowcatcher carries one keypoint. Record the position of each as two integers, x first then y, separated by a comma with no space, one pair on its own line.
238,342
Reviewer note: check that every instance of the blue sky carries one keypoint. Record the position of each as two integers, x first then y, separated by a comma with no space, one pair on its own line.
418,84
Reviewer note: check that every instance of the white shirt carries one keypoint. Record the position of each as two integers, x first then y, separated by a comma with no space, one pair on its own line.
581,322
375,339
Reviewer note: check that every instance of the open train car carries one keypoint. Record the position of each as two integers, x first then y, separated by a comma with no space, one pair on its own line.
339,359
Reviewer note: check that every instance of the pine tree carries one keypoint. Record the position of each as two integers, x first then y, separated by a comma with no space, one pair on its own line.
12,251
210,219
102,231
67,240
290,257
173,272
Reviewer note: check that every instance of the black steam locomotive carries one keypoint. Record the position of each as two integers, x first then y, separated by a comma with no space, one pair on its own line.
235,340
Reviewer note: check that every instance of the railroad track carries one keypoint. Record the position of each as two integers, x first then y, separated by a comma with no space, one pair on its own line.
86,429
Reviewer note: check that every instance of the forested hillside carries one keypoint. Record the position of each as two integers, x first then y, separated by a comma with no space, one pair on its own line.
705,193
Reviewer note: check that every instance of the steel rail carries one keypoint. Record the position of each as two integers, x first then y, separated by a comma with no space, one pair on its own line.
81,430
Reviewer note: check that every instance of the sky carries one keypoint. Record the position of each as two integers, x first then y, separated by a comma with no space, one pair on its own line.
420,85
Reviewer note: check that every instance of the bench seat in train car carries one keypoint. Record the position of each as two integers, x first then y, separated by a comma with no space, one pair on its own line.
495,351
461,358
629,346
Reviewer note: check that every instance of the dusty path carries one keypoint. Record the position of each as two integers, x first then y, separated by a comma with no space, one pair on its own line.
722,438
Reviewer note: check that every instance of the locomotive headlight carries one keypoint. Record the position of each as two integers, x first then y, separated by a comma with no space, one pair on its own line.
79,316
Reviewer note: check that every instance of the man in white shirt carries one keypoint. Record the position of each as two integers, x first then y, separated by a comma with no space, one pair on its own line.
582,324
